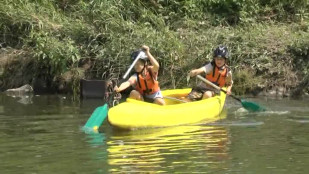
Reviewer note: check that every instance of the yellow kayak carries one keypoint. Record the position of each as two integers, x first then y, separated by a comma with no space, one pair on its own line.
134,114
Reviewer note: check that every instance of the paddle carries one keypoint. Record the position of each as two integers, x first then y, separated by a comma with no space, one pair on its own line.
100,113
250,106
176,99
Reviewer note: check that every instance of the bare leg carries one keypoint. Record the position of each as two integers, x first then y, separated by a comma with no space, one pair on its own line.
159,101
208,94
136,95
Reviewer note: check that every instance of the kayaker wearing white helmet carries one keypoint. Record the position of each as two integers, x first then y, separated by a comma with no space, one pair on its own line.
144,81
217,71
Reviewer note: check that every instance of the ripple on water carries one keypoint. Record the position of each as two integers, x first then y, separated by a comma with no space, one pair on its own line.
236,123
298,119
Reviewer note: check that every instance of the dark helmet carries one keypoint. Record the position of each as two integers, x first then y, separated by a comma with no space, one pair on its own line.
141,55
221,51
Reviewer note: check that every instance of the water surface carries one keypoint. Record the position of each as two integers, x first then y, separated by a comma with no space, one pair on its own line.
42,134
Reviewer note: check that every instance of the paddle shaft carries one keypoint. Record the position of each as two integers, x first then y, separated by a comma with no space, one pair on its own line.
125,75
250,106
216,87
132,65
176,99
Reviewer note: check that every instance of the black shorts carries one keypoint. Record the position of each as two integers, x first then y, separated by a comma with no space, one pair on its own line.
149,100
197,92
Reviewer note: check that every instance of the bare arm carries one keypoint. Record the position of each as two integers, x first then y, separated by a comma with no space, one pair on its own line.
125,84
229,83
229,90
122,87
153,61
196,71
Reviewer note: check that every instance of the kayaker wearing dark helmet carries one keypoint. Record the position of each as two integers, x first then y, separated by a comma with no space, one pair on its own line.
217,71
144,81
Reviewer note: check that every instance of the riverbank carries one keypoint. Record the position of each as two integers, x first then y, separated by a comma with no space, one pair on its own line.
54,46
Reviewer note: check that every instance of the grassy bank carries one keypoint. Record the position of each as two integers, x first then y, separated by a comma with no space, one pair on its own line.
64,40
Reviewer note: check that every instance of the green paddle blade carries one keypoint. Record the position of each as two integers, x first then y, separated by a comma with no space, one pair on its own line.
97,118
95,139
251,106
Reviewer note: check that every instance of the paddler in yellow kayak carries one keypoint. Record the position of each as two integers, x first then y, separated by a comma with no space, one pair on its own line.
145,80
217,72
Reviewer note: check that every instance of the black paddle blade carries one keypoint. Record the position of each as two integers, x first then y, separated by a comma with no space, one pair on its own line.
251,106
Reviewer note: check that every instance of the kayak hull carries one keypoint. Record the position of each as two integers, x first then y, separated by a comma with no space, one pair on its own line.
134,114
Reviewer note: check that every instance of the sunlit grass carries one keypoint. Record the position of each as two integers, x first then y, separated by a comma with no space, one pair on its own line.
59,34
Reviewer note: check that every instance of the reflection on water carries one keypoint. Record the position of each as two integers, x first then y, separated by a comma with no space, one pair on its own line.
299,118
236,123
178,148
95,139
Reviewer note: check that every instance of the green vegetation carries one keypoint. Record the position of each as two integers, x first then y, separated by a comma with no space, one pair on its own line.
64,40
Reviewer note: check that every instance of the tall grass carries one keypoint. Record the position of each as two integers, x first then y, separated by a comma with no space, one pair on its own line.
58,34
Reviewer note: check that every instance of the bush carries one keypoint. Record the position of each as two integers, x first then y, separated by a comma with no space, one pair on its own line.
181,35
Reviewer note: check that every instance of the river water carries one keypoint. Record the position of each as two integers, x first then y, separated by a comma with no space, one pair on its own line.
42,134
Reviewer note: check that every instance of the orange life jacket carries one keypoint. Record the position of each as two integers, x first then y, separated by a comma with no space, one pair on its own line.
147,85
218,76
